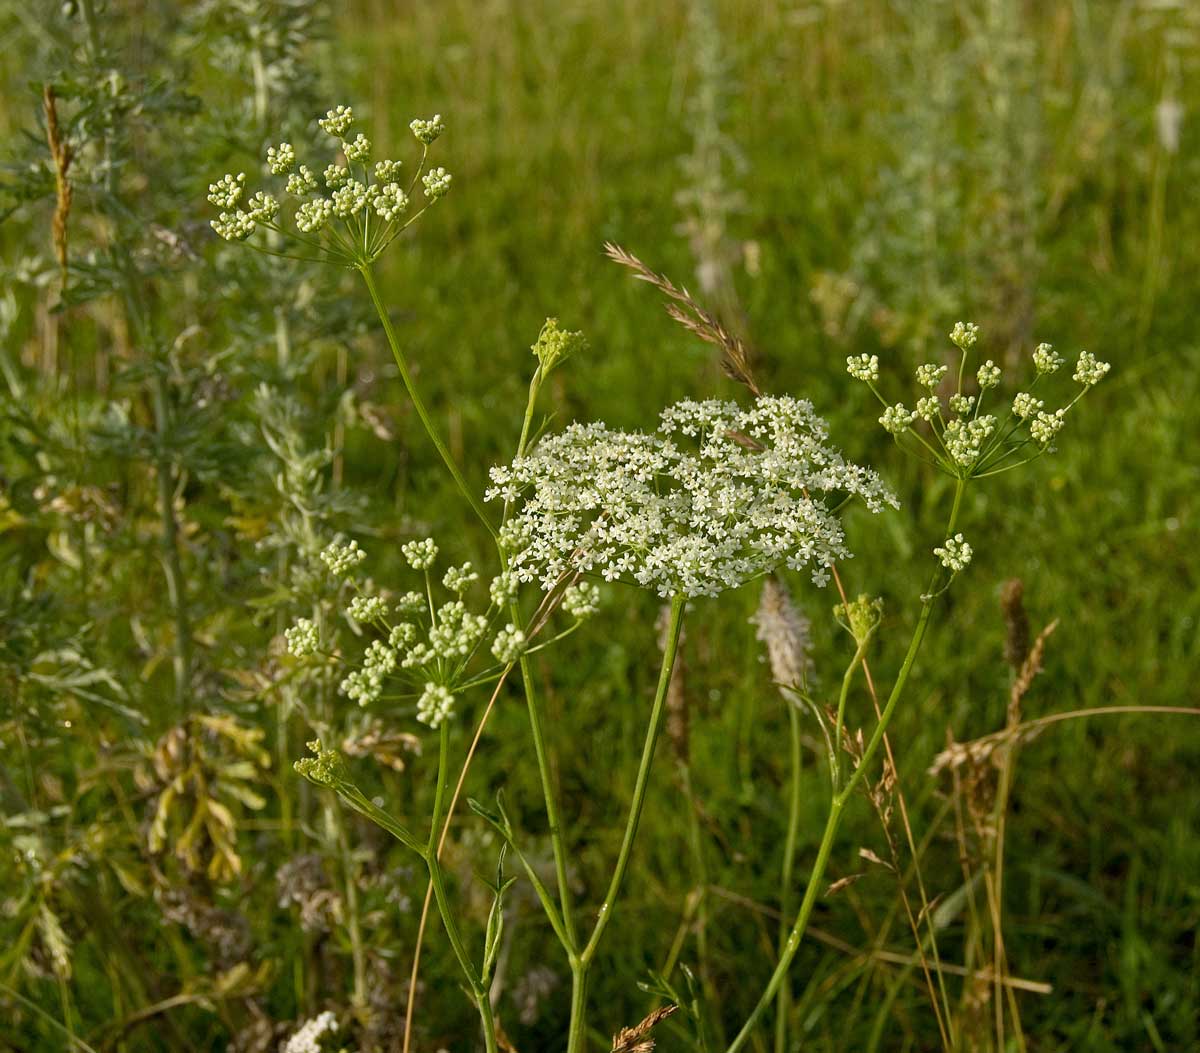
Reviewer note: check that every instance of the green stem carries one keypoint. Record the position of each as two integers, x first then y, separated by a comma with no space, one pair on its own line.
419,403
837,807
581,964
784,1002
550,793
537,727
172,561
437,880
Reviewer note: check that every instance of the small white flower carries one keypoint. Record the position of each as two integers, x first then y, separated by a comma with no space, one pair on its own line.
964,335
386,171
503,588
363,686
336,175
226,192
1046,425
509,644
961,442
281,158
403,635
988,375
262,208
237,226
301,182
308,1038
313,215
457,630
459,579
420,554
410,603
863,367
427,131
961,404
1089,370
581,599
955,554
1025,405
337,121
367,608
348,200
302,638
435,705
380,658
341,558
929,375
928,407
437,183
1046,359
359,150
897,418
390,202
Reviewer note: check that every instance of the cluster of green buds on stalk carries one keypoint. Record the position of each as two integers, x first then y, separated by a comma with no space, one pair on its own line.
346,215
949,429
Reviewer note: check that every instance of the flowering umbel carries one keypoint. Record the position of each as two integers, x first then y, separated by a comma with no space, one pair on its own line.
353,218
964,441
717,496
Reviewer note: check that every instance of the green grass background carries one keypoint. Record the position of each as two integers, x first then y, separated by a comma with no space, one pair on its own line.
991,161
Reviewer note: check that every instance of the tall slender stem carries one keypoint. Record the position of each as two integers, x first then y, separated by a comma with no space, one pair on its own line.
172,561
787,875
437,881
581,964
419,403
838,804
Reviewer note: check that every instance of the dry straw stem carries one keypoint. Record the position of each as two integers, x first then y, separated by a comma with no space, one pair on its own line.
62,155
634,1039
735,356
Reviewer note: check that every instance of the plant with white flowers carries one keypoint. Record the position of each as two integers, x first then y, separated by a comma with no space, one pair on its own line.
967,444
961,439
348,216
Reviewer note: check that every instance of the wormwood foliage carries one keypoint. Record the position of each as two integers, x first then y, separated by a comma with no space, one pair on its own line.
345,605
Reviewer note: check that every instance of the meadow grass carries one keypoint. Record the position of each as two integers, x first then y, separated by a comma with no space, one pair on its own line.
889,168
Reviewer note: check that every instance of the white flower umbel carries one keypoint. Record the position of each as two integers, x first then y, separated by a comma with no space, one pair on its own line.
1046,359
281,159
420,555
1025,405
368,608
897,418
459,579
1088,370
509,644
302,638
308,1038
863,367
717,496
435,705
437,183
581,600
341,557
972,443
930,376
964,335
955,553
988,375
349,217
427,131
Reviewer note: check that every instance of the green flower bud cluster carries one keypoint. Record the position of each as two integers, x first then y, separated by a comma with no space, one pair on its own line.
964,441
360,212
